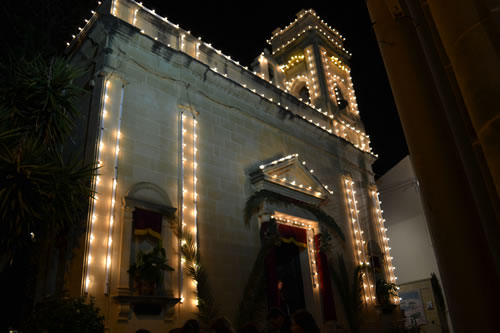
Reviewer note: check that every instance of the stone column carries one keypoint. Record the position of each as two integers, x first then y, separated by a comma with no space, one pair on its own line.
469,280
324,97
471,38
466,139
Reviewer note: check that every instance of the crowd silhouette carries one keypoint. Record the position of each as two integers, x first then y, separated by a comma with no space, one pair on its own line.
301,321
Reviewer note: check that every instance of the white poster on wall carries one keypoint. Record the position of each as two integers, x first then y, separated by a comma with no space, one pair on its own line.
413,307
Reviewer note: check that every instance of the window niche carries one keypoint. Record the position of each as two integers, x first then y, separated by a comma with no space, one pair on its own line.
271,72
304,93
147,211
341,101
301,90
147,252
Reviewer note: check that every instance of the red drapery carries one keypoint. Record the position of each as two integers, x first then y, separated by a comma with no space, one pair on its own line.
325,287
291,234
147,222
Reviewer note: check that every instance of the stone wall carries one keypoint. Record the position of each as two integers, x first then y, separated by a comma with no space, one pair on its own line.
237,131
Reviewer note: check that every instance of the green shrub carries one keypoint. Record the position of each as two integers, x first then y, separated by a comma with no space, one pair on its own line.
68,315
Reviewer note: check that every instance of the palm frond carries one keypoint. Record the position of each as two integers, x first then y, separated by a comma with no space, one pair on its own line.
350,290
40,193
39,98
194,268
255,286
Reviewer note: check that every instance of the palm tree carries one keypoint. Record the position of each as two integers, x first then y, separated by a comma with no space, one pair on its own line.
43,192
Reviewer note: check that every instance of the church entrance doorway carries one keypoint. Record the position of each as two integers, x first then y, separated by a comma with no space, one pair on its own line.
290,286
296,272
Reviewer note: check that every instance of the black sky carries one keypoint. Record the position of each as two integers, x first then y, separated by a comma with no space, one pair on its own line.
239,29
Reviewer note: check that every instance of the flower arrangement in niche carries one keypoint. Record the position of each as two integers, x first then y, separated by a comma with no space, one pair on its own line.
147,272
385,291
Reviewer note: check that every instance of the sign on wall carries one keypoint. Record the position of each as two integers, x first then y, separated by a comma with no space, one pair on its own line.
411,304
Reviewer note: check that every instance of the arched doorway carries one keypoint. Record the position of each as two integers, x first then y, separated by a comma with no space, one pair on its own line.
289,273
292,280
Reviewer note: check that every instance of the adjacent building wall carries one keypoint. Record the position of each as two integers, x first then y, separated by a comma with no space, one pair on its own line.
411,243
412,248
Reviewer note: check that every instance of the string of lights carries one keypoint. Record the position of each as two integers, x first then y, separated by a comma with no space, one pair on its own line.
337,44
113,194
100,187
182,194
294,60
97,183
312,12
293,183
382,235
197,53
358,241
188,195
310,233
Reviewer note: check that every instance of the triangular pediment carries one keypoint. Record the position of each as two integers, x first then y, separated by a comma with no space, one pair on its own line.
291,177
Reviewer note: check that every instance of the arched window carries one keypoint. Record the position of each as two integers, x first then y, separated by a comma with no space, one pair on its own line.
341,101
271,72
147,211
304,93
300,90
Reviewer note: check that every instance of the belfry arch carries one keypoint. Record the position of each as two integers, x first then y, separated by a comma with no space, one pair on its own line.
300,89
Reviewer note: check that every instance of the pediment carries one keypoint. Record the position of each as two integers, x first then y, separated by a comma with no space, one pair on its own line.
289,176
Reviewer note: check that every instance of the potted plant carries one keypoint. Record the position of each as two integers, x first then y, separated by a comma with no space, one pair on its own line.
148,269
384,292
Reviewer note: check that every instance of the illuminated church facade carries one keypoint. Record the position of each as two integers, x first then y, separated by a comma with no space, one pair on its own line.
184,133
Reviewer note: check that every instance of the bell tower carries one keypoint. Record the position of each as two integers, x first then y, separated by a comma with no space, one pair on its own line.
309,60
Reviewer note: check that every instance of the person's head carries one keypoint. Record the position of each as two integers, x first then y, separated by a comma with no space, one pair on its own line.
191,326
280,284
276,318
249,328
303,322
221,325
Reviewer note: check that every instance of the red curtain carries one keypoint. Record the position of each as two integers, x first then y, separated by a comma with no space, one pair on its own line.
147,223
291,234
325,287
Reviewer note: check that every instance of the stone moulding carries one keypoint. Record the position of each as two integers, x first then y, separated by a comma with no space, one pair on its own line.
146,305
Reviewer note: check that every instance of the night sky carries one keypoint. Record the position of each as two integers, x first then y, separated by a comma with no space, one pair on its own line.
238,29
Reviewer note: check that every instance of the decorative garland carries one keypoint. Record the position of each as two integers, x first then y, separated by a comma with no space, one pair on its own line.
255,202
193,266
254,293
